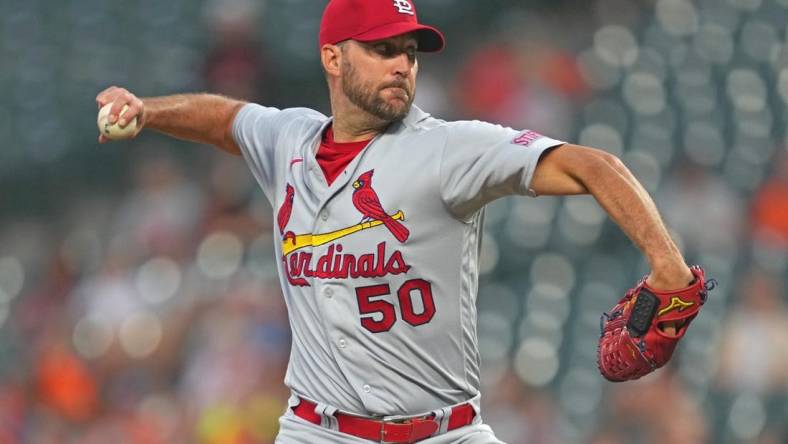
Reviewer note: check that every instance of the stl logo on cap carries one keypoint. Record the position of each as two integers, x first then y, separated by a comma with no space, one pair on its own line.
403,7
372,20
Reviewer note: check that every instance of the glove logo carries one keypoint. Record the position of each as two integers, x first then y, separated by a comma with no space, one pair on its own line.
630,326
676,303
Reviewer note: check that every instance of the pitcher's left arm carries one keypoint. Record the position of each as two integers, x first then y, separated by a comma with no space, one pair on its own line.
575,169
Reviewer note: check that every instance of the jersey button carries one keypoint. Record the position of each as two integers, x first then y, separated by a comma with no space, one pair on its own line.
366,388
324,215
328,292
342,343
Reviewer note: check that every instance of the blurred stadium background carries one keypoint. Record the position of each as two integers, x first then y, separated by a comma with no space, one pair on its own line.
138,296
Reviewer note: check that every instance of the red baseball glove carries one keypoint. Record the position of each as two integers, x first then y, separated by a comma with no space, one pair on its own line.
632,343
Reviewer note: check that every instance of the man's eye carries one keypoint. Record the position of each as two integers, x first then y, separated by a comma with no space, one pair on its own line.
389,51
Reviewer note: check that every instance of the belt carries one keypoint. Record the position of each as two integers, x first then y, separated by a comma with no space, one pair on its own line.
409,430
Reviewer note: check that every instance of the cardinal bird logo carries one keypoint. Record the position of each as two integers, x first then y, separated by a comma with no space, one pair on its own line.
283,216
366,201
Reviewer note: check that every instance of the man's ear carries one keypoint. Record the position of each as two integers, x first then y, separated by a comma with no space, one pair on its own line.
331,57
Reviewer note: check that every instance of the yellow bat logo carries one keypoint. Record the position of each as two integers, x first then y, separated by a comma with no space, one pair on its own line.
676,303
313,240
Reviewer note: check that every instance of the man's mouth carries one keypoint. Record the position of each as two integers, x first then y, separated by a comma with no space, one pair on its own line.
398,91
401,86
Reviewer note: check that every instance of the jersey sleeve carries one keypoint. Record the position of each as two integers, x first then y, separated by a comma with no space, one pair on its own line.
255,130
482,162
265,135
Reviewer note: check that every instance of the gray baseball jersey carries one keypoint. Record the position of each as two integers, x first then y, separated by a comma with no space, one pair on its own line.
379,270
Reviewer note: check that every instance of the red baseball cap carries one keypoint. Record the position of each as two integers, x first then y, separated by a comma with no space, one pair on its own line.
369,20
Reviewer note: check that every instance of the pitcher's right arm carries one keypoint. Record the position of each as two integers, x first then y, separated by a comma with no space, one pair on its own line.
203,118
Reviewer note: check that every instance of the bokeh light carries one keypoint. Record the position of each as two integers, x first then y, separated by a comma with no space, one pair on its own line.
598,73
746,90
12,278
81,250
489,256
92,336
140,334
644,93
714,43
747,416
616,45
219,255
602,136
158,279
536,362
677,17
553,269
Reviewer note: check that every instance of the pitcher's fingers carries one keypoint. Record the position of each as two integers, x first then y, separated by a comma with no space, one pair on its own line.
123,98
135,110
105,96
670,328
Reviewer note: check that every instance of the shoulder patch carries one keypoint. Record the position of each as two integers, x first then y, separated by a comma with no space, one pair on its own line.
526,138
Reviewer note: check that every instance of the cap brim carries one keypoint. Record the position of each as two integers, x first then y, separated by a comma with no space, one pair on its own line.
430,39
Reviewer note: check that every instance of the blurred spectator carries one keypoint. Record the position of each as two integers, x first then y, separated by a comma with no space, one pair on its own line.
522,84
770,206
610,435
232,381
655,409
44,303
519,414
703,209
235,66
769,220
161,213
232,190
752,351
66,385
489,86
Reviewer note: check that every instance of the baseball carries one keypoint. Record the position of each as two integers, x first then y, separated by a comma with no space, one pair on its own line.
113,130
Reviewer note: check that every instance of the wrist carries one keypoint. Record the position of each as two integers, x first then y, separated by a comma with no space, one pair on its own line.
670,276
148,113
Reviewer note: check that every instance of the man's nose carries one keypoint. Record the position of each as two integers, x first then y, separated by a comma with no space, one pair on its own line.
402,65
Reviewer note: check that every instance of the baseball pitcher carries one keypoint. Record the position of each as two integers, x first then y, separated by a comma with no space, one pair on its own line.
379,210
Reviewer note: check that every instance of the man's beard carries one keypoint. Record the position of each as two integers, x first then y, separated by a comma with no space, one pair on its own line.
368,98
